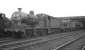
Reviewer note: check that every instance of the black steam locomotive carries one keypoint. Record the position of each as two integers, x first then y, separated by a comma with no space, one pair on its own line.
42,26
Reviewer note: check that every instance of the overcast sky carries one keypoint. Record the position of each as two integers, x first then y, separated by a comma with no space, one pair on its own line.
56,8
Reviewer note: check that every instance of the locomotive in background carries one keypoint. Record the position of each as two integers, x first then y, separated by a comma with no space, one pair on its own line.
4,23
29,25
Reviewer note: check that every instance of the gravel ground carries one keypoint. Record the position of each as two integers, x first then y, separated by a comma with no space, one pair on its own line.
53,43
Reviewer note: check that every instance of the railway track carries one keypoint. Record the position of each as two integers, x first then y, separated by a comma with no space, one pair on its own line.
74,45
18,44
76,38
4,39
7,41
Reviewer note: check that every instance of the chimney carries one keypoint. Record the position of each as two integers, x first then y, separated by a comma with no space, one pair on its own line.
19,9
